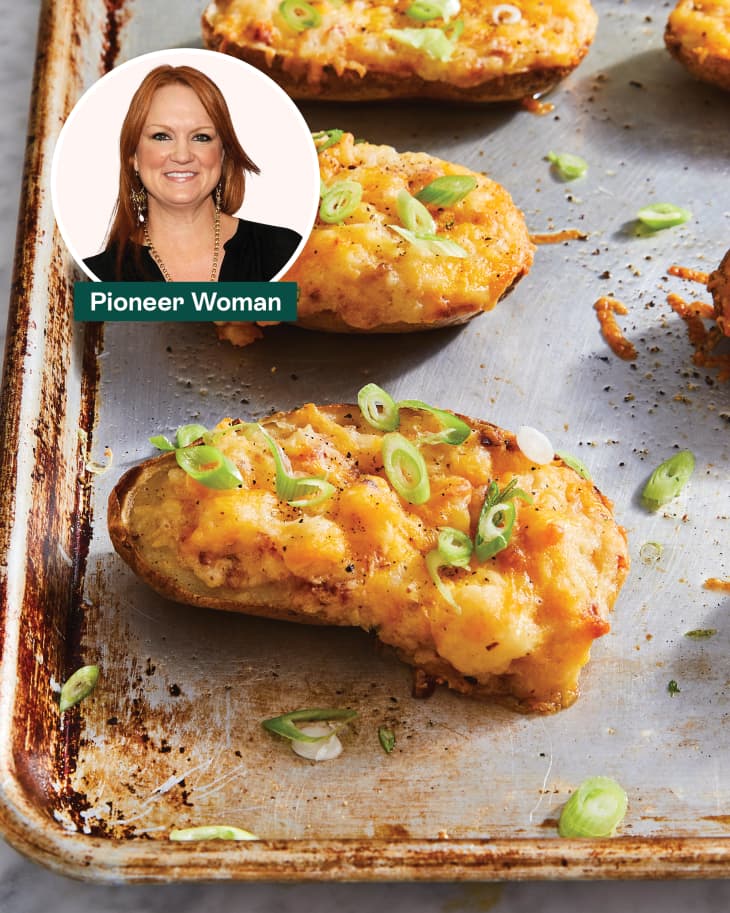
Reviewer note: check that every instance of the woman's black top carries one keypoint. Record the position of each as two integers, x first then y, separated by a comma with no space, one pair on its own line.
255,253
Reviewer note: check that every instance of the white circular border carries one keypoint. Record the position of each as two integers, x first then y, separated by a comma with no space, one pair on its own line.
268,124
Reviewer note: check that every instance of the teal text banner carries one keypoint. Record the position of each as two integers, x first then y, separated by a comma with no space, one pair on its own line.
185,301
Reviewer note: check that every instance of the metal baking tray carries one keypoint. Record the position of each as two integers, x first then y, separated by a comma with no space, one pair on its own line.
172,735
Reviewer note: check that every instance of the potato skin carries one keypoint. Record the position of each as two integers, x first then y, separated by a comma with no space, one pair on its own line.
527,616
719,286
698,36
350,58
360,276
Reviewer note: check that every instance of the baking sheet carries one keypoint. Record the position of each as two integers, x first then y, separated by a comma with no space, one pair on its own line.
172,736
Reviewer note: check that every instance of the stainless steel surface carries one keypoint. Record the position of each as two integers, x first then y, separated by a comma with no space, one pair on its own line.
173,738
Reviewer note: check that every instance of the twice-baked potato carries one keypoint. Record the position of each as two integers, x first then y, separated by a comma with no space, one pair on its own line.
495,578
698,36
719,287
471,51
366,272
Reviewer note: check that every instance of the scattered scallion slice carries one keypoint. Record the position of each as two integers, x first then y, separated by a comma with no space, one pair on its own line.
326,748
378,408
668,479
299,15
323,139
414,215
188,434
700,633
435,43
405,468
578,465
340,201
663,215
454,549
386,737
496,519
161,442
568,166
595,809
284,725
673,687
211,832
424,10
453,429
651,552
431,244
535,445
506,13
78,686
447,190
209,466
296,490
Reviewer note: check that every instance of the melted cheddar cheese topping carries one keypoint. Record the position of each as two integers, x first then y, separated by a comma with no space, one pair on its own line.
526,617
702,26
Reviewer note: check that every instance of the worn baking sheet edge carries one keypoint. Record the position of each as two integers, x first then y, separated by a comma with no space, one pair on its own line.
22,822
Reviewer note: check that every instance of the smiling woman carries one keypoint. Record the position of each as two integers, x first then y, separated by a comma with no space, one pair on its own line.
182,175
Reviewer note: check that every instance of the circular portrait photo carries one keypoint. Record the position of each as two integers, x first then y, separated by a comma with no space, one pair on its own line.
187,166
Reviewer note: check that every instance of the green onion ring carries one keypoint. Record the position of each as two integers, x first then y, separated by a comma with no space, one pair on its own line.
668,479
662,215
209,466
323,139
414,215
424,10
188,434
595,809
340,201
453,429
447,190
293,489
405,468
568,166
431,244
284,725
161,442
578,465
494,529
432,41
78,686
455,547
378,408
299,15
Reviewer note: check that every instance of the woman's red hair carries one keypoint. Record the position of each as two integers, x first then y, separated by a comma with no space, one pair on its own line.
236,163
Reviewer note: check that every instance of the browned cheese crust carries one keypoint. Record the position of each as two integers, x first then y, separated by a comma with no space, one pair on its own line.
719,286
525,618
351,57
698,35
361,276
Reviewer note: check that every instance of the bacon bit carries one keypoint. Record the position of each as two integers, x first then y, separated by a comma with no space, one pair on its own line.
567,234
535,106
605,308
684,272
715,583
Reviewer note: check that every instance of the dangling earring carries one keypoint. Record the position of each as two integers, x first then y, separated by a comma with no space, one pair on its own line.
139,200
218,197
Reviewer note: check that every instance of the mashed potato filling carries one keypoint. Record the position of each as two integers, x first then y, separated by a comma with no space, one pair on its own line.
526,617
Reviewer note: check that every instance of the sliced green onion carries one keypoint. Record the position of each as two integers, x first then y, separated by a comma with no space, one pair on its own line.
340,201
497,519
578,465
323,139
414,215
299,15
434,564
431,244
673,687
568,166
378,408
455,547
699,633
284,725
188,434
211,832
447,190
595,809
327,746
663,215
433,42
78,686
423,10
651,552
296,489
161,442
405,468
209,466
453,429
386,737
668,479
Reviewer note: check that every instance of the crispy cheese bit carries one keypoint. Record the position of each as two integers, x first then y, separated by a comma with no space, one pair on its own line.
693,275
606,307
535,106
702,340
717,584
240,334
567,234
